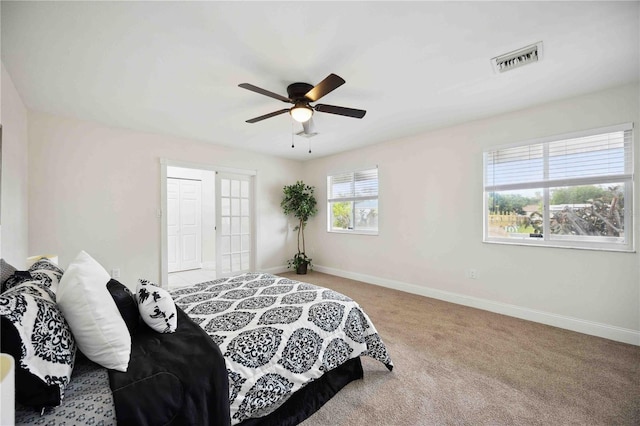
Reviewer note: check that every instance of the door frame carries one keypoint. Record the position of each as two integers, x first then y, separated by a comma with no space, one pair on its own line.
161,211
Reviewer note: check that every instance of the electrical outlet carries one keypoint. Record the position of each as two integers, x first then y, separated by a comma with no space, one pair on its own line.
473,274
115,273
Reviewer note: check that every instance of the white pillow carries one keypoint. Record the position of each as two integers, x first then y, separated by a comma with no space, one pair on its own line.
156,307
100,332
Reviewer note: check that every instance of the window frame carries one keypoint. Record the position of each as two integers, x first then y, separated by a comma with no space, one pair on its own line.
352,199
567,241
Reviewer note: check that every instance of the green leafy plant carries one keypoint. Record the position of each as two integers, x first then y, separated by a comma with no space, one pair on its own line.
299,201
298,260
341,215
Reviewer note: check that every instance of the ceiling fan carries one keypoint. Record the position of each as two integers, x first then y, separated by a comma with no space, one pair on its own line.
300,95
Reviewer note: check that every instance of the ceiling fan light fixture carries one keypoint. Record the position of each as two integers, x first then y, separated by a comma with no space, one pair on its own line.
301,112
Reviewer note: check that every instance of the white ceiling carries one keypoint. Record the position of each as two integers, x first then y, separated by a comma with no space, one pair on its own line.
174,67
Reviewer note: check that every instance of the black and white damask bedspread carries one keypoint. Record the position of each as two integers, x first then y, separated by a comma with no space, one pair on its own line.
277,335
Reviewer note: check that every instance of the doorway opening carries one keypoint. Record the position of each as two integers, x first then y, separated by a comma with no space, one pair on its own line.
207,222
191,233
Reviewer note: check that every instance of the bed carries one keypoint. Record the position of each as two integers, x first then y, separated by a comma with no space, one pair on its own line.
269,350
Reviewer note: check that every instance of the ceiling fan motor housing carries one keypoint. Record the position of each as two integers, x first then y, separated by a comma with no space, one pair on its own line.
296,91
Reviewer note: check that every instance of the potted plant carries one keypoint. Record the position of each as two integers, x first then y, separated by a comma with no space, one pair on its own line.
299,201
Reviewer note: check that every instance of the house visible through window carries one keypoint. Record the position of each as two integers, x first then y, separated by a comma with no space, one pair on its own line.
352,199
570,191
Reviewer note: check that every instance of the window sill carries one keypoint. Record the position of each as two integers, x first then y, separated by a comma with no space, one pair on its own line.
349,231
521,242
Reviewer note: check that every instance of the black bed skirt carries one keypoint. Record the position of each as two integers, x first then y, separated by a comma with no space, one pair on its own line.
302,404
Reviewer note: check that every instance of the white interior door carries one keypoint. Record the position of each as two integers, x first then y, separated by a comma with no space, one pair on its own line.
234,221
191,223
184,224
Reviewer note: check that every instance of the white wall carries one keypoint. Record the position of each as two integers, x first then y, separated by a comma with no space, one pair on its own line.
97,188
14,202
431,225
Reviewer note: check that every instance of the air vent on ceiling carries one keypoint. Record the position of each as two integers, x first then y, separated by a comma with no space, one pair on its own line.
517,58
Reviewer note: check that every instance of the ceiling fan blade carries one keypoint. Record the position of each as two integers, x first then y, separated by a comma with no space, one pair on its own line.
264,92
264,117
347,112
327,85
308,127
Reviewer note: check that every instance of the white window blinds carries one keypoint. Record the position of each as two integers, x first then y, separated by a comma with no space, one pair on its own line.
354,186
605,155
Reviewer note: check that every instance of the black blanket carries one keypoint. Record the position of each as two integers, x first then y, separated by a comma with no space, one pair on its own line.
172,379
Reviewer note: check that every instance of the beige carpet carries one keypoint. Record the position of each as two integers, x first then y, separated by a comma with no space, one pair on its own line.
462,366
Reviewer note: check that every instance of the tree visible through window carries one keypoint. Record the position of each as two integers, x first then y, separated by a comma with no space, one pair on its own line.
573,191
353,202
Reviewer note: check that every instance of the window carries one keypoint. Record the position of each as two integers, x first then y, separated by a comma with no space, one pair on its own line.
570,191
352,200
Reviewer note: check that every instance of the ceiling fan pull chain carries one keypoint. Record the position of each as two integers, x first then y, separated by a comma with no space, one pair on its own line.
309,147
292,145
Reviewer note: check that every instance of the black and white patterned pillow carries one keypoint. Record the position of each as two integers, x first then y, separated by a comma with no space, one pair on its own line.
156,307
6,271
47,272
16,279
36,334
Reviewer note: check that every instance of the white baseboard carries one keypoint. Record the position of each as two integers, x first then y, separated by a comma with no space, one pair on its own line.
592,328
210,266
275,270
